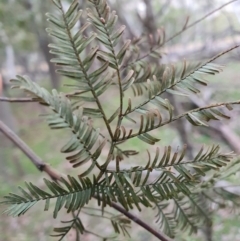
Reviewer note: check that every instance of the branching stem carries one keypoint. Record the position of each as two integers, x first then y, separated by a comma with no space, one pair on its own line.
181,79
85,73
183,115
116,62
120,117
144,225
41,166
29,100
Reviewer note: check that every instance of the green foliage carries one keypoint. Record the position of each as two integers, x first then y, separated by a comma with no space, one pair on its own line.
99,61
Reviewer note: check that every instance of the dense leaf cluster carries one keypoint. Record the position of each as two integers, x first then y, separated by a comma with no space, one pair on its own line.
98,61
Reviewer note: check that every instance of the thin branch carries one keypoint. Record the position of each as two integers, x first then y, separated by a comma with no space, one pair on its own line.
41,166
144,225
185,27
75,217
199,20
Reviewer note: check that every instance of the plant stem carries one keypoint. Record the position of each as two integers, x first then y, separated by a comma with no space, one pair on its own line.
237,102
75,217
41,166
144,225
116,62
120,116
85,73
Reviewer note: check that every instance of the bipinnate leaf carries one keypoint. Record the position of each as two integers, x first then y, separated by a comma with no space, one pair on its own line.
84,137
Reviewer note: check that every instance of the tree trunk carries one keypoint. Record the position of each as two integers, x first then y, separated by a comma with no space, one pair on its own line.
43,41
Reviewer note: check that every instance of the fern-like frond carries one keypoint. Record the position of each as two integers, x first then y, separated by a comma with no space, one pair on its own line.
84,138
195,117
175,176
70,48
70,44
165,218
74,195
190,212
132,188
174,165
185,213
105,22
98,61
61,232
167,79
129,190
186,80
109,36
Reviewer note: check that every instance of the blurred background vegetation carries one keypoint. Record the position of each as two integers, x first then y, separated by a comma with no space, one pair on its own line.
24,50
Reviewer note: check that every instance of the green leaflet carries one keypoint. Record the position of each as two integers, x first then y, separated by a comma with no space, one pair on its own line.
113,116
95,113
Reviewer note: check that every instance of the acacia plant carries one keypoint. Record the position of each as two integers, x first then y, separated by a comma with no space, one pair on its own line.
101,61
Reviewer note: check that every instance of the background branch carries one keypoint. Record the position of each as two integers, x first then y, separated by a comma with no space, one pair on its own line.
185,27
198,21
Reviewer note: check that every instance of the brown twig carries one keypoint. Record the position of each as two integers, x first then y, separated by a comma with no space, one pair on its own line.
185,27
144,225
199,20
55,175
